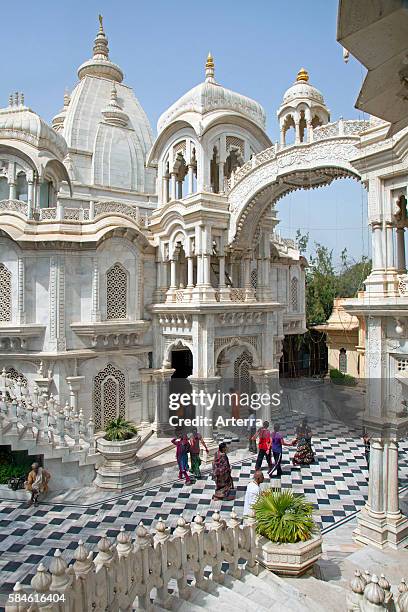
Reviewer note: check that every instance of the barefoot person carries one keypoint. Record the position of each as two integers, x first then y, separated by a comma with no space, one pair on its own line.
252,491
37,483
221,471
264,445
195,441
304,451
182,449
277,443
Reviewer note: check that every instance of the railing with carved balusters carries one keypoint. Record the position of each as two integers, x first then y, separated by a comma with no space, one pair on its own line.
39,418
135,574
14,206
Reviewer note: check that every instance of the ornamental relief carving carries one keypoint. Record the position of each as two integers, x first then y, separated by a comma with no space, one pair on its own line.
339,153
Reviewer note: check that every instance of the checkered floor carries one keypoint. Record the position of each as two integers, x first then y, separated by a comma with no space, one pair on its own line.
336,485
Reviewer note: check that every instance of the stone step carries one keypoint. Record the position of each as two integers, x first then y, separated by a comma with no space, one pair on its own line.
210,601
237,594
320,591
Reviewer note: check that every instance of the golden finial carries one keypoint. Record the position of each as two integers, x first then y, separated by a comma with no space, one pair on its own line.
100,22
302,75
209,69
210,61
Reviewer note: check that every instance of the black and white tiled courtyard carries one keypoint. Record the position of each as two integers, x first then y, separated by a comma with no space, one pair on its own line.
336,484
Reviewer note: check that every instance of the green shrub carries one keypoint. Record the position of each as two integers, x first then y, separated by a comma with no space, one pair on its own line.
10,471
342,379
120,429
282,516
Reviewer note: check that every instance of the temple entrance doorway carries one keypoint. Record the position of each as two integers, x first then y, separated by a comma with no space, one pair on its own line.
182,363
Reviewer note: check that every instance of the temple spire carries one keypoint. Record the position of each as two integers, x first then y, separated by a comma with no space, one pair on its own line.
100,65
209,69
100,48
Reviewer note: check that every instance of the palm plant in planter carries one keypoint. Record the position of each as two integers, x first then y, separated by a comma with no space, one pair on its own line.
120,429
121,468
289,541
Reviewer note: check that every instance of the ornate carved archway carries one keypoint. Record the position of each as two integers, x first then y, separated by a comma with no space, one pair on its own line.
273,173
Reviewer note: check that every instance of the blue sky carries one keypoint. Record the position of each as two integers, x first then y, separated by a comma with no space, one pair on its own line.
161,46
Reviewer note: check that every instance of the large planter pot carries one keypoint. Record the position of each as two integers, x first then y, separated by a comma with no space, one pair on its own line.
289,559
121,468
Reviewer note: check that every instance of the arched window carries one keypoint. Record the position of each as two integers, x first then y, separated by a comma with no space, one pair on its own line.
294,294
5,293
116,292
109,396
21,187
4,188
343,360
242,378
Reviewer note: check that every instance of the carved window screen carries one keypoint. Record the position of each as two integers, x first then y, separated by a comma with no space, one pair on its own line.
242,379
5,293
294,293
109,396
116,292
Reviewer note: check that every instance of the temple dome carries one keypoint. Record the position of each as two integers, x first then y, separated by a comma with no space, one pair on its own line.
208,97
302,90
21,123
106,129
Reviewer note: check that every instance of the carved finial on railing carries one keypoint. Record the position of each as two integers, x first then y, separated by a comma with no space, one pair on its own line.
182,528
42,580
162,533
124,543
83,559
58,568
358,584
403,601
373,593
366,577
142,536
197,526
105,554
20,603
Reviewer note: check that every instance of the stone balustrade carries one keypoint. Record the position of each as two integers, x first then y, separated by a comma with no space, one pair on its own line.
38,421
61,213
337,129
228,294
368,593
135,574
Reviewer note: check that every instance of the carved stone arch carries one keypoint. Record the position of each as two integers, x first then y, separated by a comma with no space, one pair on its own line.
274,174
237,342
242,378
180,343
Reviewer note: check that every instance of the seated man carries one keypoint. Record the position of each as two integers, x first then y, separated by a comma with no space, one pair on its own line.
37,482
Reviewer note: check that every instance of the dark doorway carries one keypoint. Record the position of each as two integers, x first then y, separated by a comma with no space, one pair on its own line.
182,362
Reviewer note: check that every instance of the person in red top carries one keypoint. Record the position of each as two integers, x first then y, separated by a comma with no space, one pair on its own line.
182,449
264,445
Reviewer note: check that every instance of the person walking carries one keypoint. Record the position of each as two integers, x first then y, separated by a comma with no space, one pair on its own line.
264,445
37,483
195,440
252,491
221,473
182,449
304,451
277,443
252,431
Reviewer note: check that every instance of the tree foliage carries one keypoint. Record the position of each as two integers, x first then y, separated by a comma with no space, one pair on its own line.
324,283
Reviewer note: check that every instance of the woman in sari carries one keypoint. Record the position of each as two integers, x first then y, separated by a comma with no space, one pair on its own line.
221,472
304,452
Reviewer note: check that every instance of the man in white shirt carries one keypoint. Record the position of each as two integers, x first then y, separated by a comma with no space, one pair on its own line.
252,491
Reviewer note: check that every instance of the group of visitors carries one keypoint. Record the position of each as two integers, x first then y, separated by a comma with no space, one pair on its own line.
270,445
189,446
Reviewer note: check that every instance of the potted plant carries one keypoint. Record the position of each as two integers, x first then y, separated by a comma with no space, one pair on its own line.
289,542
118,446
